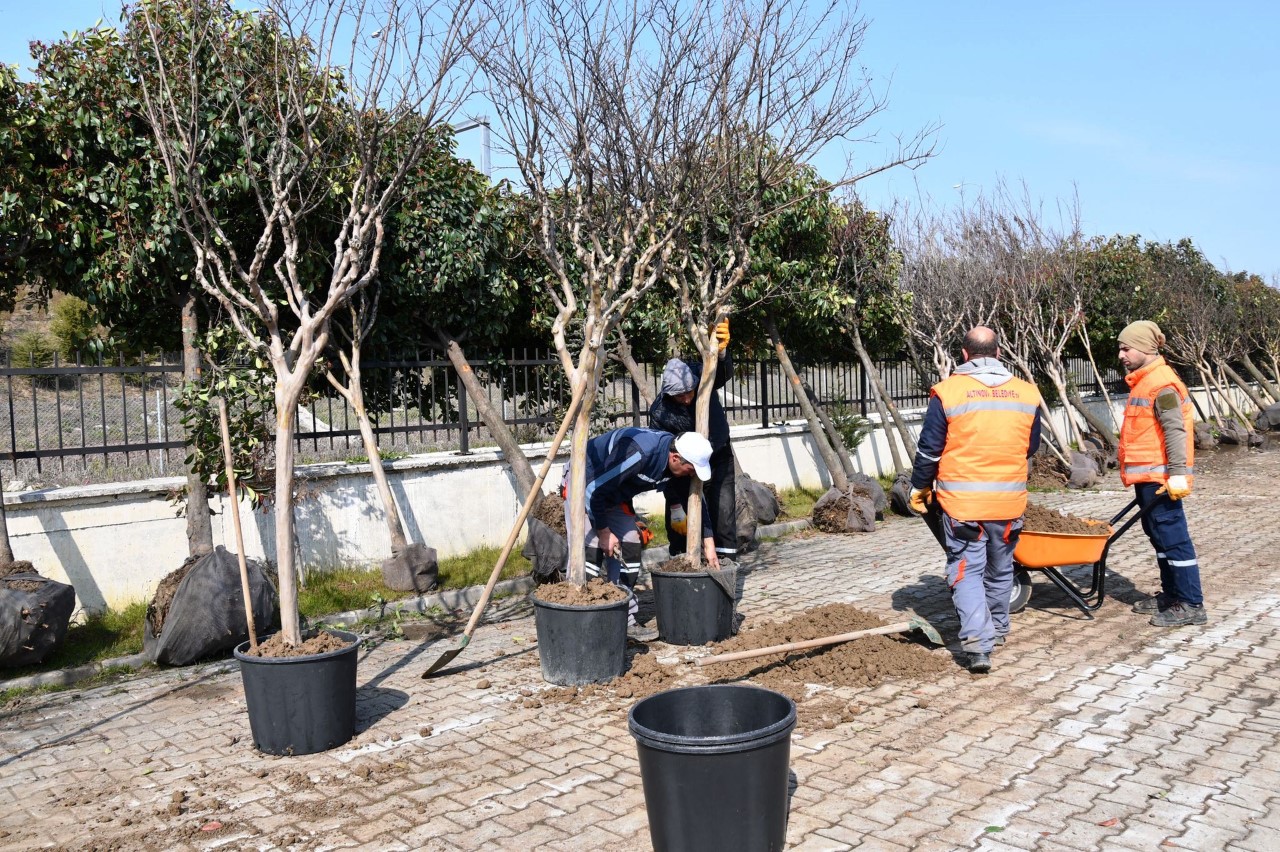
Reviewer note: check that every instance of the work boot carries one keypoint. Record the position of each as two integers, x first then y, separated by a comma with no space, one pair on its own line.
1153,604
999,643
639,632
1178,614
979,663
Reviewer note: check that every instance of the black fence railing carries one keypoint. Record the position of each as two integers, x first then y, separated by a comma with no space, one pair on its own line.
65,423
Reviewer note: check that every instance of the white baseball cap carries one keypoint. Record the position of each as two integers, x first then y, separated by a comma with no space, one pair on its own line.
696,450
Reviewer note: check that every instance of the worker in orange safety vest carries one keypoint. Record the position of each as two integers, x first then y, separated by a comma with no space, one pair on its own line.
981,427
1157,457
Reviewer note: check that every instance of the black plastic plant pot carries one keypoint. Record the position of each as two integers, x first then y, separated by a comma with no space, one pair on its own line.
301,705
581,644
692,608
714,761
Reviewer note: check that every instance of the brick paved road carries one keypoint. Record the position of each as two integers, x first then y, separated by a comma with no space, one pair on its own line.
1104,734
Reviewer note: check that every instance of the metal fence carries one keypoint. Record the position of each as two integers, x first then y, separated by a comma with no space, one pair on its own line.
87,422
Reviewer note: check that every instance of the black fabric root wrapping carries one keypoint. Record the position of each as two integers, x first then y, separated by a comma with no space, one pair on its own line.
206,615
34,613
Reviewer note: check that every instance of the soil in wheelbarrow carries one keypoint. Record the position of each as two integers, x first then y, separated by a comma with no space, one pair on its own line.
596,591
1043,519
860,663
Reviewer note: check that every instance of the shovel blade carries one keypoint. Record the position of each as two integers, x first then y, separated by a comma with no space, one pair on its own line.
927,629
446,658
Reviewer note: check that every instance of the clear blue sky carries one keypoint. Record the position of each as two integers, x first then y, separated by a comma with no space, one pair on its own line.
1163,116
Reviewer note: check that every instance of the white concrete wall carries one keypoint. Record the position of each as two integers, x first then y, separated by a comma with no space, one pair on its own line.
115,542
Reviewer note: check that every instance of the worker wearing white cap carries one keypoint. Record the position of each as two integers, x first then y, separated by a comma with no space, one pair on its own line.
620,465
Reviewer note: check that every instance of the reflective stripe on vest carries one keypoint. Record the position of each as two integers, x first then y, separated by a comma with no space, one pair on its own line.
982,475
1142,456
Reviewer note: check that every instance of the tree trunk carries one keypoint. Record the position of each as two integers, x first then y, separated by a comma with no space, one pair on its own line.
199,520
622,354
1059,383
1102,386
829,457
1271,389
575,511
702,423
288,390
511,451
1208,394
1244,386
355,396
1104,430
829,429
885,403
6,549
1219,383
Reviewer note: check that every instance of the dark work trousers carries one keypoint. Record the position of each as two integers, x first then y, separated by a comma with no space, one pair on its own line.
720,493
980,574
1166,526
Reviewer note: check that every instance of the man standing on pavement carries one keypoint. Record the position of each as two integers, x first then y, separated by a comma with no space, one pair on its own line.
673,411
981,427
1157,457
620,465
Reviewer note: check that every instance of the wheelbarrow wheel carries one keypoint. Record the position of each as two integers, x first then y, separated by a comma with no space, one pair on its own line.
1021,591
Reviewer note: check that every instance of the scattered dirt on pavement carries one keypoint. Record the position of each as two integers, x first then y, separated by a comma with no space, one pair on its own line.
322,643
1043,519
807,677
1047,473
595,592
550,510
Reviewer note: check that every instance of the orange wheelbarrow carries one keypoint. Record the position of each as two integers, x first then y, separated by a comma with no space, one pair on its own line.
1050,552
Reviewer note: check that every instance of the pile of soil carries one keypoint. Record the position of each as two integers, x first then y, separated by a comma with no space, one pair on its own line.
550,510
836,515
681,564
831,517
1047,473
18,567
1043,519
862,663
158,610
321,643
594,593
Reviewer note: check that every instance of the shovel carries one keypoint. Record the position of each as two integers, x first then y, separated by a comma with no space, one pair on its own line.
901,627
534,493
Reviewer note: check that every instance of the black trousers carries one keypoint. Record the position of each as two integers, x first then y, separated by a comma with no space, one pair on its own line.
720,494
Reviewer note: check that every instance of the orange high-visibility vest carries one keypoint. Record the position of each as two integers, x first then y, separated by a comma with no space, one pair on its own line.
1141,455
982,475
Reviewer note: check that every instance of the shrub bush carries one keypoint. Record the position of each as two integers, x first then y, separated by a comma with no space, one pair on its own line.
32,348
74,326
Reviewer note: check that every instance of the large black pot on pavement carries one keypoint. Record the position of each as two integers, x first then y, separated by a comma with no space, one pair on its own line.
714,761
692,609
301,705
581,644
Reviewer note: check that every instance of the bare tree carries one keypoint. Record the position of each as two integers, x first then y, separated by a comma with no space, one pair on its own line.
589,97
340,99
783,80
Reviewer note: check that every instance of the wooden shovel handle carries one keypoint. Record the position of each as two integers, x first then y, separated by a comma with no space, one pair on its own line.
808,643
234,509
534,493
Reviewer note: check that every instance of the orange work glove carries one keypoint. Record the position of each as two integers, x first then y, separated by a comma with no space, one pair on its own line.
1176,487
722,335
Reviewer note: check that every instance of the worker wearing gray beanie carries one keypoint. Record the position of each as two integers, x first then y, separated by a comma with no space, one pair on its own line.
1157,457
